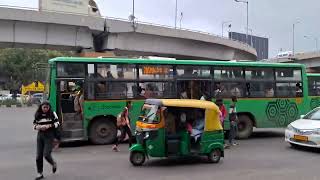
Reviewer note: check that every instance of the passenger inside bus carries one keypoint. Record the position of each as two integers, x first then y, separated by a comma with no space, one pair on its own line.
184,94
235,91
298,90
269,91
220,90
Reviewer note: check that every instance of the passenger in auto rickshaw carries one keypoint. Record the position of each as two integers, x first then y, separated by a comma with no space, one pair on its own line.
198,125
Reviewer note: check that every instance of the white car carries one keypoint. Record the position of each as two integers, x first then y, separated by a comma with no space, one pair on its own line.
305,131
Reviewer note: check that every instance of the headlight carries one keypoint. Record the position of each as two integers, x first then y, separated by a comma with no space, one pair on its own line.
146,135
290,127
316,131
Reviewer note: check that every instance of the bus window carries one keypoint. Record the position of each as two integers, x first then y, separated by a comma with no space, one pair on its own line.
288,74
286,89
314,86
111,90
194,89
260,89
157,89
116,71
194,71
259,74
229,89
227,73
70,70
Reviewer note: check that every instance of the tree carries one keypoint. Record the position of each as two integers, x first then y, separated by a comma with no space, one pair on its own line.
21,66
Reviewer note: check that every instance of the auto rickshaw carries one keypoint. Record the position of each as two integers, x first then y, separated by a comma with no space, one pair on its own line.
172,128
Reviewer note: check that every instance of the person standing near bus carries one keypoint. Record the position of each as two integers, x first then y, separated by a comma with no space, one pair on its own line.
45,122
223,111
233,121
123,123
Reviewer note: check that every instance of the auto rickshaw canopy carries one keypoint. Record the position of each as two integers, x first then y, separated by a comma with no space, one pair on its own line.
212,112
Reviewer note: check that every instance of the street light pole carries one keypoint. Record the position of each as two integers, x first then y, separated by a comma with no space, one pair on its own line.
251,42
314,38
293,36
133,8
247,3
181,16
176,12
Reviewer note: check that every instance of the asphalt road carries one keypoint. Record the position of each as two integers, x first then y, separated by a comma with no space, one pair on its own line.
264,156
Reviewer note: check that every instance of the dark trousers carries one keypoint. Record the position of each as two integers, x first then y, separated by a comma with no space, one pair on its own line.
124,130
232,132
44,149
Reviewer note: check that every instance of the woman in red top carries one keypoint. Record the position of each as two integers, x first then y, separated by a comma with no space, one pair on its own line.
124,127
222,108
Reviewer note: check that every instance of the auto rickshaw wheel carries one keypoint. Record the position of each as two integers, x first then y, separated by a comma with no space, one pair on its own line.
214,156
137,158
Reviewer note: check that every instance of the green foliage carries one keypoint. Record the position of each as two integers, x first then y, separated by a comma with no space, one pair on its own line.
23,66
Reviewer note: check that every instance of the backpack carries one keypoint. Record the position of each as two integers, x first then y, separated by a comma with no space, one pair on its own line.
121,120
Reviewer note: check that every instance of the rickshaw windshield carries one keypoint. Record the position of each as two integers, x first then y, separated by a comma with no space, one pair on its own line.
150,114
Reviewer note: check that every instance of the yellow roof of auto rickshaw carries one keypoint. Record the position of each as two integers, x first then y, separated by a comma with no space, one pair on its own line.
212,121
192,103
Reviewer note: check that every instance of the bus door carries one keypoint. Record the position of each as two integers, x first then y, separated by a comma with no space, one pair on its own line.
68,109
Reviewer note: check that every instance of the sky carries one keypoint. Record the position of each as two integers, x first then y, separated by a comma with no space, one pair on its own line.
267,18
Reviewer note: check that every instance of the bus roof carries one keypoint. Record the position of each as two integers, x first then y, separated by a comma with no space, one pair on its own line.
163,61
192,103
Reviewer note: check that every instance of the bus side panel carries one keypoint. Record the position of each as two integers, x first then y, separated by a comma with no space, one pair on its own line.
111,108
271,112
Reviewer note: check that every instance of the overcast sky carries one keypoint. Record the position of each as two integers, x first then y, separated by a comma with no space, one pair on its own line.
268,18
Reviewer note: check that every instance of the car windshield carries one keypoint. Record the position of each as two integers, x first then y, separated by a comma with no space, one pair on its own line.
149,113
313,115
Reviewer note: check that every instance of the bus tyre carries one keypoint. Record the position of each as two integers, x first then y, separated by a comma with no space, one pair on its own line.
103,132
137,158
214,156
245,127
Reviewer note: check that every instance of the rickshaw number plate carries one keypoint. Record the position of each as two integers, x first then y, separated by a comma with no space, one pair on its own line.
300,138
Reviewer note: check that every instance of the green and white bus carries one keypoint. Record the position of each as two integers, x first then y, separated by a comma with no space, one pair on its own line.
269,95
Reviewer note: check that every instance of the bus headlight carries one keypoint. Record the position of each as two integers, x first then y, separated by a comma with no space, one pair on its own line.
146,135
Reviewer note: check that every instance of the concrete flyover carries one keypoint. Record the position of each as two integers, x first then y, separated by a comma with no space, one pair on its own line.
55,30
310,59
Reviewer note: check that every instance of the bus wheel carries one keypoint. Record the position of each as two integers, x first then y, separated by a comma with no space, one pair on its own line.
214,156
245,127
103,132
137,158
